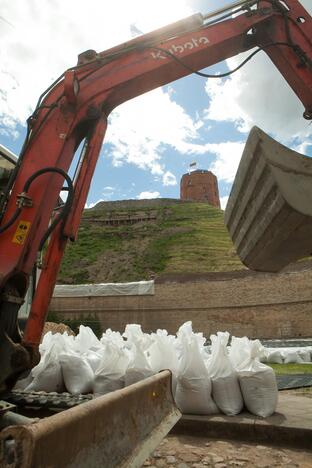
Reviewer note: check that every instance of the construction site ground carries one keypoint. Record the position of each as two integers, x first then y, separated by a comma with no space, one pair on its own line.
282,440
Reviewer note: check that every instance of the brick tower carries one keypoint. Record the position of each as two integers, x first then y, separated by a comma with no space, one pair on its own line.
200,185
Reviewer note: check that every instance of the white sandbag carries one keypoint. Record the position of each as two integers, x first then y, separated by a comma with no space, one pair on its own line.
110,374
137,343
227,394
47,375
225,386
291,356
162,355
62,341
274,356
77,372
86,340
258,384
238,351
93,358
111,336
304,354
21,384
138,368
46,343
134,334
201,340
264,355
206,352
193,391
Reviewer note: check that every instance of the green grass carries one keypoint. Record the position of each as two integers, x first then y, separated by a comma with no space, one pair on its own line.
281,369
186,238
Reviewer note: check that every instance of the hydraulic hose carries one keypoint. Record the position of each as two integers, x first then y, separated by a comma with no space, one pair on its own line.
62,214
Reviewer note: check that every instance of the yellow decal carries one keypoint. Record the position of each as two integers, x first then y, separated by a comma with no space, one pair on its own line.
21,232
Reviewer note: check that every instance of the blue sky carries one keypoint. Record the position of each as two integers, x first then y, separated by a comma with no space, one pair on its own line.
152,139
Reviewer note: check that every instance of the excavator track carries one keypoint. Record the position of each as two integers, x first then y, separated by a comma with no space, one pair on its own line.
40,400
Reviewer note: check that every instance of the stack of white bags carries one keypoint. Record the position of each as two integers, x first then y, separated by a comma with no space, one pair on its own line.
290,355
206,380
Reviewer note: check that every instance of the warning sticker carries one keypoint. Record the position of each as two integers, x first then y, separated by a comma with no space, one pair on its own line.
21,232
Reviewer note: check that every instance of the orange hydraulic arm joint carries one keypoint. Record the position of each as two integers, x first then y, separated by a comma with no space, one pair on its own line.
76,107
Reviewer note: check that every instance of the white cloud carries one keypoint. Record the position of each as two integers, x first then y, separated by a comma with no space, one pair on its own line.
228,155
107,195
148,195
258,95
140,128
223,202
39,40
303,147
92,204
169,179
30,60
109,188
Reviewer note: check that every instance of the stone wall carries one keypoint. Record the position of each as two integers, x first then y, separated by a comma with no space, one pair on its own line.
253,304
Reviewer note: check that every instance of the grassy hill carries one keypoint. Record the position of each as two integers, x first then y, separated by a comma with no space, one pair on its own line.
174,237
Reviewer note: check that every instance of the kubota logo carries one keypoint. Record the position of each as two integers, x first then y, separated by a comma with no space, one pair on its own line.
179,49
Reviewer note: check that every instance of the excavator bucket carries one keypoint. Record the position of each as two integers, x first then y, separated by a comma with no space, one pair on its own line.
119,429
269,212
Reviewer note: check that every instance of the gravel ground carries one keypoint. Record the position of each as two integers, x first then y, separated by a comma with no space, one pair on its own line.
305,391
195,452
56,328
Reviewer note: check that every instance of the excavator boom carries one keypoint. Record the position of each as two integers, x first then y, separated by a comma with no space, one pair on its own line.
75,109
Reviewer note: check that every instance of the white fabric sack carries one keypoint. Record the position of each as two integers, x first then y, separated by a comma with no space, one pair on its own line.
46,343
274,356
138,343
23,383
304,354
77,372
239,350
162,355
193,391
111,336
47,375
93,359
258,384
225,386
110,374
134,334
86,340
62,341
291,355
138,368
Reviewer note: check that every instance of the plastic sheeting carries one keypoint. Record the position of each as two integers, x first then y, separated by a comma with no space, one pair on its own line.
138,288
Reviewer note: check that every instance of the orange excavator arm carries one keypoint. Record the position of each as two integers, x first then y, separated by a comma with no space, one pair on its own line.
76,108
119,429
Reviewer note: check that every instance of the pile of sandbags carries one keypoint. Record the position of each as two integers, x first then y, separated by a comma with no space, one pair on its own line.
205,380
287,355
